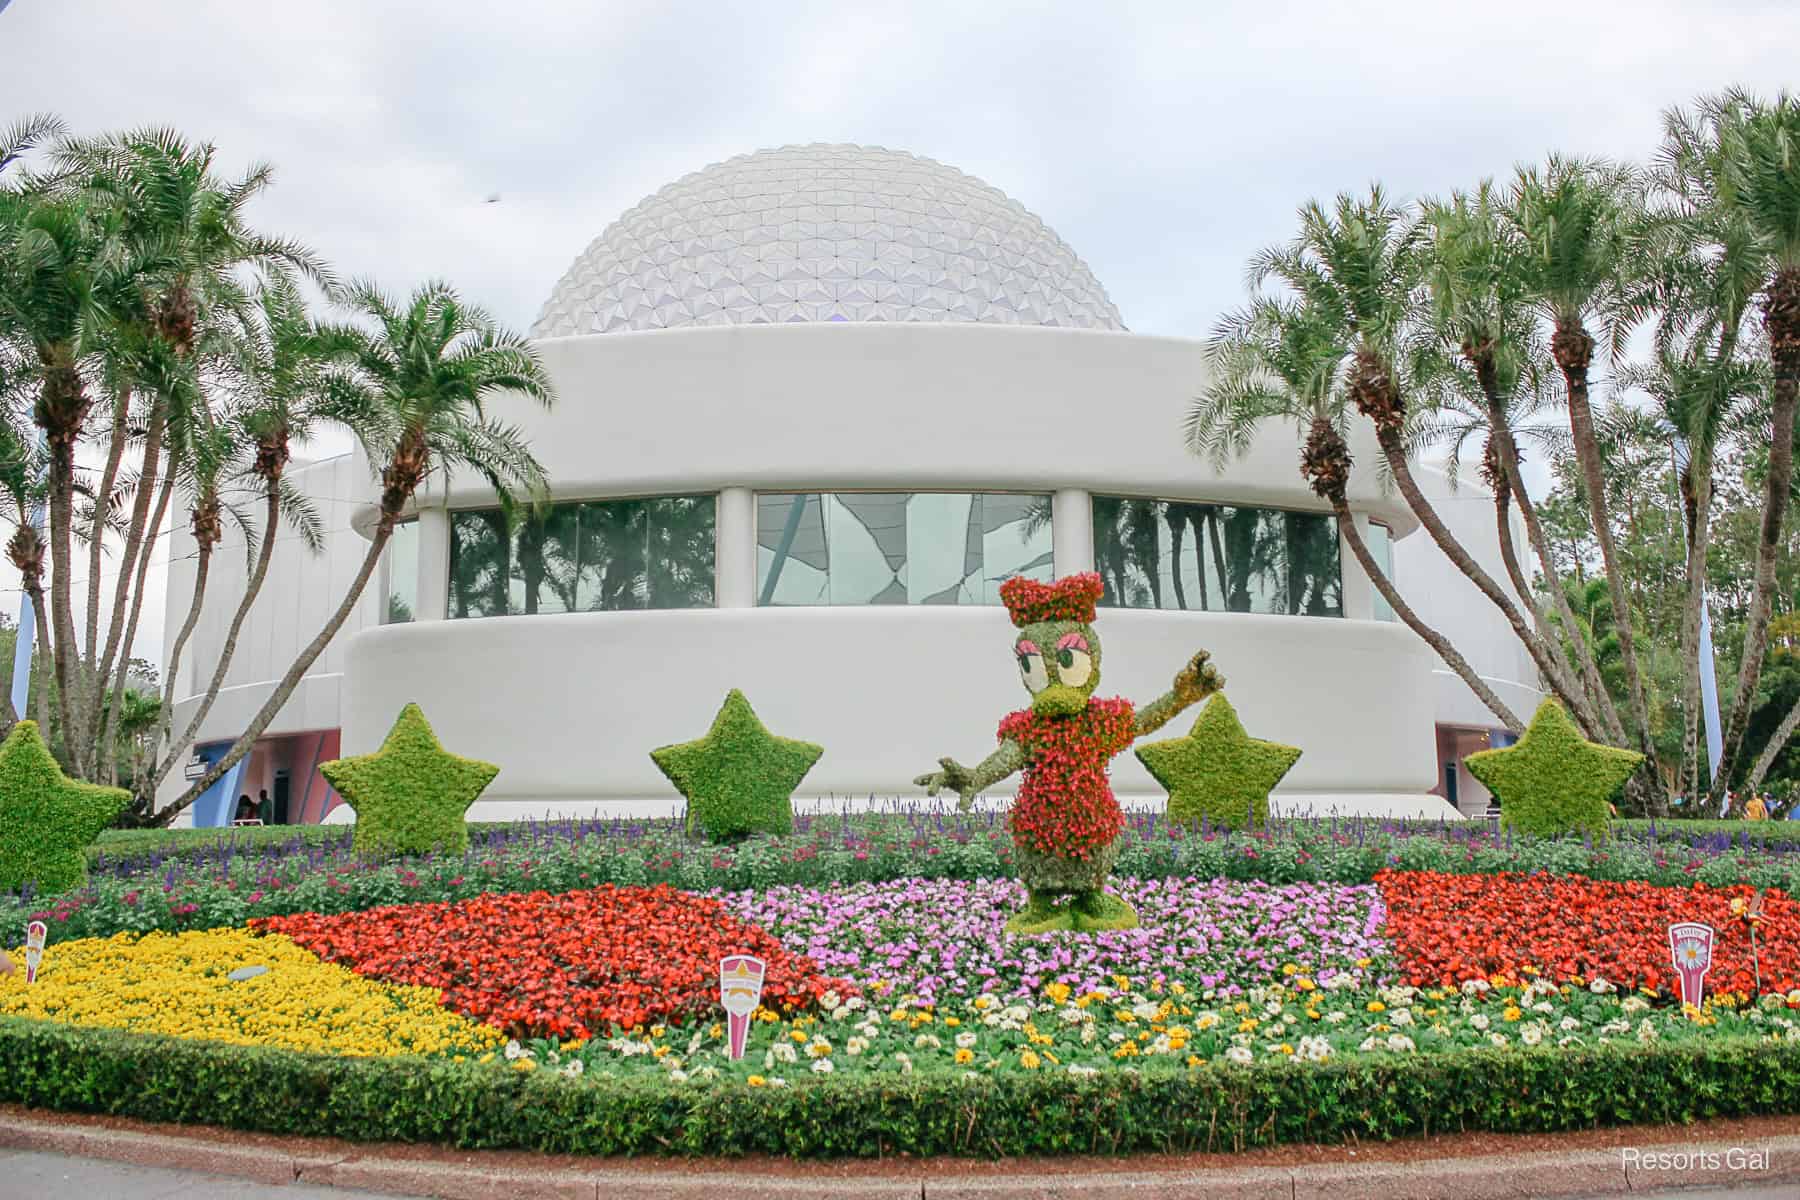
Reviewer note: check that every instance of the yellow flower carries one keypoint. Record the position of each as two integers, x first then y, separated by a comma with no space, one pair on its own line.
757,1081
1058,993
525,1064
965,1055
952,1022
1304,984
796,1036
1030,1061
1289,969
177,984
1126,1050
1284,1048
1511,1013
1376,1006
1363,962
1193,1060
1247,1025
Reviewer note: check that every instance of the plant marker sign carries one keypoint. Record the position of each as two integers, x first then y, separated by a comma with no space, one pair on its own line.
740,991
35,933
1691,946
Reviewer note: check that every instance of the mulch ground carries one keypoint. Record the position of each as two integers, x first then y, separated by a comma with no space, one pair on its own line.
1739,1131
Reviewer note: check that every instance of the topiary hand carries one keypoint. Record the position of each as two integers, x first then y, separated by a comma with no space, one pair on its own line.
1199,679
953,775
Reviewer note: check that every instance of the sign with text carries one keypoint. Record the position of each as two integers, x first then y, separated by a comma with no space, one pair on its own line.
740,991
35,933
1691,947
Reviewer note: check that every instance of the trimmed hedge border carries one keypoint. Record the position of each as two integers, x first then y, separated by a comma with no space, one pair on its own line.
1211,1108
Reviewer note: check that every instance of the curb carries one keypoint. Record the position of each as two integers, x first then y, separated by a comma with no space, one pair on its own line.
1611,1172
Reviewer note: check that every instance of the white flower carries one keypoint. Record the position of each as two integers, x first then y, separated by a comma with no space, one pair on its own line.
1239,1054
1078,1069
573,1068
1646,1032
1531,1035
1368,1044
970,1075
926,1041
1570,1041
1089,1033
1115,1037
1568,1024
1499,1039
1401,1016
1474,987
785,1052
1335,1016
830,1000
1615,1027
1399,1042
776,1081
678,1076
1314,1049
1600,987
1149,1012
1478,1022
1633,1004
1068,1014
966,1041
822,1066
514,1051
905,1062
818,1048
856,1046
1206,1020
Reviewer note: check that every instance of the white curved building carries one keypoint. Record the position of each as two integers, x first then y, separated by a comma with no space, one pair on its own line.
814,404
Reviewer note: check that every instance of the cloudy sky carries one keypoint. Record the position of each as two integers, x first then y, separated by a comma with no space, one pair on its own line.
1163,141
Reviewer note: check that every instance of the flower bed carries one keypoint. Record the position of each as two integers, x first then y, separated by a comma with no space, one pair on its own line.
179,984
1449,928
940,939
562,965
1061,1031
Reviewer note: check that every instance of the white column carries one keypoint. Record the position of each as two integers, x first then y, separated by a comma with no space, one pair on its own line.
1072,531
736,534
1359,591
434,563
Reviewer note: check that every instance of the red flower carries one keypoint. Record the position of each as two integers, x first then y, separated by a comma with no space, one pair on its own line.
1450,928
569,965
1065,805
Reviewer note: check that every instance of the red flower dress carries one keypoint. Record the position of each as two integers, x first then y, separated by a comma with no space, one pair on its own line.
1066,818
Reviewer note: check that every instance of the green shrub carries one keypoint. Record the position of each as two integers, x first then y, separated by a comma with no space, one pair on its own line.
1218,774
739,779
1554,781
410,796
1153,1110
46,818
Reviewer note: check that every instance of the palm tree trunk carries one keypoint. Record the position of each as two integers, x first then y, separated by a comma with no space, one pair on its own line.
63,389
1700,491
1572,348
107,744
246,741
134,543
1437,641
97,534
1777,741
1508,449
196,602
227,650
1544,656
40,613
1781,318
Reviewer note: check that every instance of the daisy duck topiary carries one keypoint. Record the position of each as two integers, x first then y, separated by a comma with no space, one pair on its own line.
1065,821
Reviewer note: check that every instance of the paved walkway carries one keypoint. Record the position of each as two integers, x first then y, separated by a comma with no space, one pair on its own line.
45,1176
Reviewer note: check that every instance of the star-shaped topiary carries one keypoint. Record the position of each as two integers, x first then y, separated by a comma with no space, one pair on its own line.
409,796
46,818
739,779
1554,781
1218,771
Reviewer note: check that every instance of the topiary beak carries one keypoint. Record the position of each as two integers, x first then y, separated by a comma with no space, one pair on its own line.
1059,700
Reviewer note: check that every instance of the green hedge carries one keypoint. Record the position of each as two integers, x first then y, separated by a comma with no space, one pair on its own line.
475,1106
1772,833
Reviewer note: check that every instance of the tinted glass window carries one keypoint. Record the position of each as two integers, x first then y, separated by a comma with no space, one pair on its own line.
402,574
1216,557
897,547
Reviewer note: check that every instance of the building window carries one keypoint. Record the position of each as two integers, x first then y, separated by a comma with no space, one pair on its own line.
1381,549
1216,557
402,601
590,556
897,547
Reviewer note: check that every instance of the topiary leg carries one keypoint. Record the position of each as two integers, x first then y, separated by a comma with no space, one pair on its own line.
1041,915
1099,909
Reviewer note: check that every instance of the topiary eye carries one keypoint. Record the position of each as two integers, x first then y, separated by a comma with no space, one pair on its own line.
1031,666
1066,657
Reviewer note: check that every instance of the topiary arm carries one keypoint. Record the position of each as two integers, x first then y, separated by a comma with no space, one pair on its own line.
1195,682
969,783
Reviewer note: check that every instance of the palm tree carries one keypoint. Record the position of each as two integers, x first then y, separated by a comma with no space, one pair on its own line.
280,371
1361,264
1481,350
1758,164
190,229
417,389
1580,225
1284,360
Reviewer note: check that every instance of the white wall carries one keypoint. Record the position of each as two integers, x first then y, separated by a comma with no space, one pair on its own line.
1454,606
570,705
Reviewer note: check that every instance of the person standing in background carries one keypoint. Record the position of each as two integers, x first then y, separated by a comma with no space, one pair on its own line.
265,807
